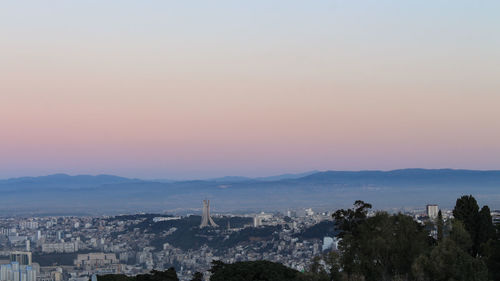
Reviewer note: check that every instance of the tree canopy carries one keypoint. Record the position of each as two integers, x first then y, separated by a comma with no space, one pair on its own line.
253,271
382,246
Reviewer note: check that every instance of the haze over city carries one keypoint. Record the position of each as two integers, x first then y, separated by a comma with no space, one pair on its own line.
329,140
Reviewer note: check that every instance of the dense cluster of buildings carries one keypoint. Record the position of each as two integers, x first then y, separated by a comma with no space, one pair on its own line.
75,248
18,268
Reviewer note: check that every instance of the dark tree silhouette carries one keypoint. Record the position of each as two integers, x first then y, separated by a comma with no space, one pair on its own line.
467,211
348,220
197,276
253,271
440,226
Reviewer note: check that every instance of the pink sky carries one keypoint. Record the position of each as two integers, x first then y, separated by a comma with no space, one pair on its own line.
141,94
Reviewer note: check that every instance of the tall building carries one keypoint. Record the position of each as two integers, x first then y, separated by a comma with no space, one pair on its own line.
23,258
16,272
432,211
206,220
94,260
257,221
61,247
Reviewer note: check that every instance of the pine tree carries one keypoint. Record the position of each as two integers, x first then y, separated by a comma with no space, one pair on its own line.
486,229
440,225
467,211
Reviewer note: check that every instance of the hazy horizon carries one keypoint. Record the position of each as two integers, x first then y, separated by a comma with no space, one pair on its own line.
177,89
256,176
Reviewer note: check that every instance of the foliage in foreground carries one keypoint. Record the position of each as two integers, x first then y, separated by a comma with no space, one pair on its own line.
381,247
395,247
253,270
167,275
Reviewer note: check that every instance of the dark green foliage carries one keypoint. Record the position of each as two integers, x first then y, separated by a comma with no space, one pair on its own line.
378,247
115,277
324,268
447,261
440,226
467,211
478,224
55,259
383,246
486,229
253,271
319,230
246,235
395,247
460,236
348,220
167,275
197,276
491,253
189,235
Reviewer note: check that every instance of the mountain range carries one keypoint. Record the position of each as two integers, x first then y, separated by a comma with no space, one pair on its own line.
328,190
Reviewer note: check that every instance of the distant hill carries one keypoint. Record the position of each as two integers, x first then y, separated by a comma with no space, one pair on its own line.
107,194
407,177
270,178
287,176
60,179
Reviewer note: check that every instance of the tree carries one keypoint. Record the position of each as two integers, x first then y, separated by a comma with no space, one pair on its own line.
167,275
253,271
197,276
383,247
479,224
440,226
491,253
155,275
460,236
486,229
447,261
114,277
332,262
467,211
347,220
317,271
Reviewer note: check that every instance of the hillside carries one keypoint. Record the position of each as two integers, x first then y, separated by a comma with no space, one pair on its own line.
323,190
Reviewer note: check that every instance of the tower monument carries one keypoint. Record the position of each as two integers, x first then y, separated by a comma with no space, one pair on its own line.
206,220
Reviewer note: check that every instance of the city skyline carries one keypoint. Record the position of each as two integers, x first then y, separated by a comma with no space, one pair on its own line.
183,90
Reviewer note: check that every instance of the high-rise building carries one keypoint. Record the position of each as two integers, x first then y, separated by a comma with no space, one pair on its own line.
432,211
206,220
61,247
257,221
95,260
23,258
16,272
327,243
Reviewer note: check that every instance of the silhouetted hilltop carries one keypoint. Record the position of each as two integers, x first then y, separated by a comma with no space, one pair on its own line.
324,190
406,177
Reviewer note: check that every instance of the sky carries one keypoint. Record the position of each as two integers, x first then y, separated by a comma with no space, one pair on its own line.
196,89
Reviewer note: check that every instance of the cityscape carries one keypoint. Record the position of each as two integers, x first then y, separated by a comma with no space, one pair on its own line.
275,140
76,248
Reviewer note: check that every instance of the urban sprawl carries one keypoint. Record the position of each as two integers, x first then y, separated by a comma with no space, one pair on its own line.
75,248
